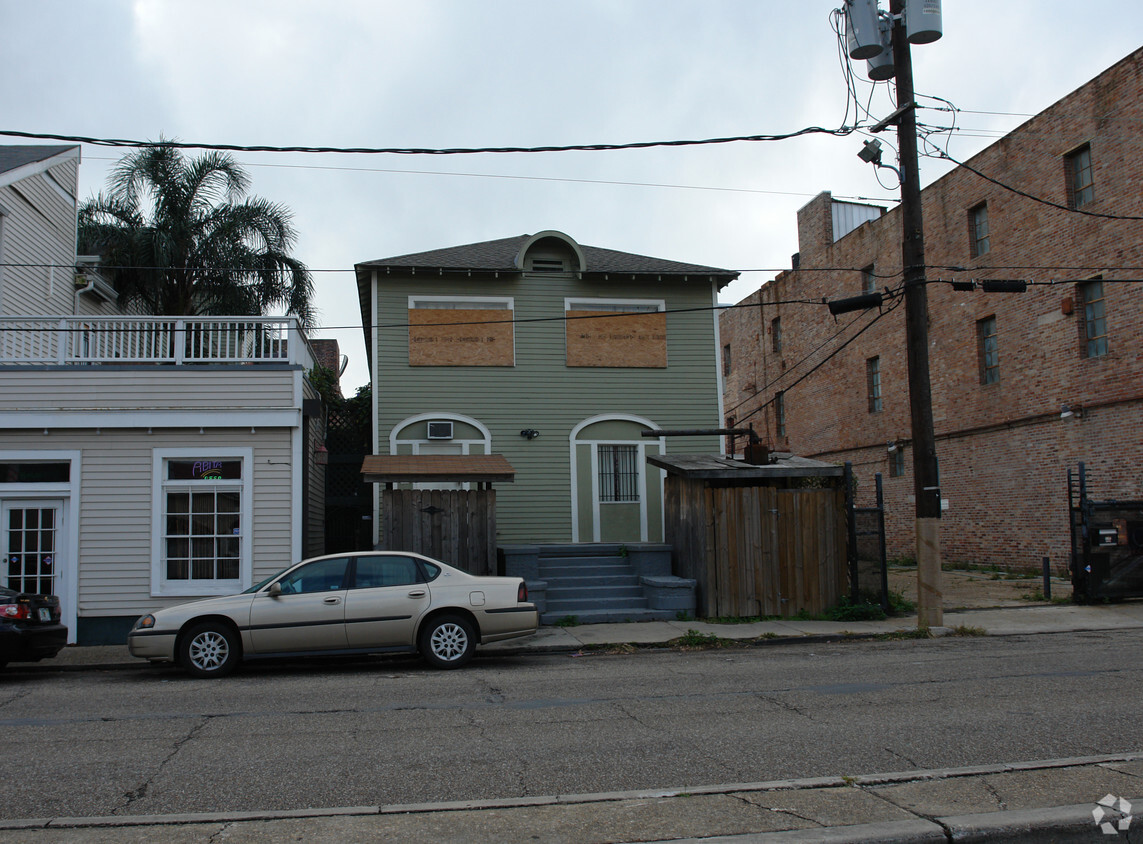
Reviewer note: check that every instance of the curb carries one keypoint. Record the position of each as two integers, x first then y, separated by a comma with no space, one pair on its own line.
1032,824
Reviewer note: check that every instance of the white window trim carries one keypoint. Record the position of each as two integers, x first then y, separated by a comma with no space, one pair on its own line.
160,586
426,302
601,304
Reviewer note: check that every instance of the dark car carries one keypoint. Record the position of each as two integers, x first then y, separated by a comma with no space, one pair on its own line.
30,628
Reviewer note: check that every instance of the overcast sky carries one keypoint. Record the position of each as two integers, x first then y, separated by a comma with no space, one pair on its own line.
468,73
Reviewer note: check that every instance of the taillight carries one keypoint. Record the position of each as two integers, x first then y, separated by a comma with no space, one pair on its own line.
19,612
522,593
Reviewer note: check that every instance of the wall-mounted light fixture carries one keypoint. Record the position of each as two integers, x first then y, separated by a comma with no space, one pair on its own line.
892,447
1070,411
321,455
529,433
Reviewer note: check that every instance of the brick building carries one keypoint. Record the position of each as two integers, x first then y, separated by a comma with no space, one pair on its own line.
1025,385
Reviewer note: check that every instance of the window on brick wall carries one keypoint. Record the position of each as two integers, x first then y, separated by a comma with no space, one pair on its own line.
868,280
725,359
978,230
988,350
897,462
780,414
1080,182
1091,293
776,334
873,383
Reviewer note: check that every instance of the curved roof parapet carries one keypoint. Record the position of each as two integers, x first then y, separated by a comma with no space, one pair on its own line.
551,234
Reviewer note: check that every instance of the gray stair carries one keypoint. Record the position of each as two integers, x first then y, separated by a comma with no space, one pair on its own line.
593,584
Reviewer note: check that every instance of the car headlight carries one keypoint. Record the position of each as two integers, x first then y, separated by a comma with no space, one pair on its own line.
145,623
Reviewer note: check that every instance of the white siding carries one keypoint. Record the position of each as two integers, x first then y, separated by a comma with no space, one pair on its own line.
149,388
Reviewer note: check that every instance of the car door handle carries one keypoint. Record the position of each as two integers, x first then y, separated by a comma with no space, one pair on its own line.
417,593
333,600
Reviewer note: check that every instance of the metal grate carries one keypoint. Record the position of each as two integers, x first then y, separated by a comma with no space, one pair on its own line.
618,473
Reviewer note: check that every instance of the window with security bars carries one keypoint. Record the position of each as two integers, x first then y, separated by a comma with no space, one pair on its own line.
203,536
618,473
989,350
31,545
1095,318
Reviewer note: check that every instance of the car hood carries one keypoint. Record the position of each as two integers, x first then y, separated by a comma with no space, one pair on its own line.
236,607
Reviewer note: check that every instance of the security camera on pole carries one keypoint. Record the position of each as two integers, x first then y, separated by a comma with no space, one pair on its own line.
883,40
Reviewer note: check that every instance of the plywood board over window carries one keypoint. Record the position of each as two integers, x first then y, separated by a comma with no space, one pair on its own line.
616,334
460,334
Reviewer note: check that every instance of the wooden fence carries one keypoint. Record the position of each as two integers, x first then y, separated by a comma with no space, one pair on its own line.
454,526
758,550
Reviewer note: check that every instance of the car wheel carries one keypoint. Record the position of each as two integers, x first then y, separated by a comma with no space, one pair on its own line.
447,641
209,649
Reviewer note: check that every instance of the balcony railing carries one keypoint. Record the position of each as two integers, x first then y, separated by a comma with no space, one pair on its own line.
146,340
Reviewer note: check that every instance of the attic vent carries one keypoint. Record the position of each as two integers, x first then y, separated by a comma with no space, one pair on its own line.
440,430
547,265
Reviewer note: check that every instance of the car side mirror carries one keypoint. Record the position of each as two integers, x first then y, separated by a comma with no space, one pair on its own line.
275,590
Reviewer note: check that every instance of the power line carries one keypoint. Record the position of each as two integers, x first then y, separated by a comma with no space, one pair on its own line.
123,142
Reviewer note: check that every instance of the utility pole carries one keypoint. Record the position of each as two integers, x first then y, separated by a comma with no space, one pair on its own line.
926,483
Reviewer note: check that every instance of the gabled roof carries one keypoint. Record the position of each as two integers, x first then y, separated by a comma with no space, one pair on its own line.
500,255
19,162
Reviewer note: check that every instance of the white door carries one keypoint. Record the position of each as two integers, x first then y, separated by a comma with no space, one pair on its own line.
31,538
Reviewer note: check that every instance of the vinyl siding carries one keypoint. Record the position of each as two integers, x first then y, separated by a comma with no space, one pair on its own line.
115,507
541,392
146,388
38,229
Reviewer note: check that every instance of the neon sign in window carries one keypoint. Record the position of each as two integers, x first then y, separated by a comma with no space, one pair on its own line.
204,470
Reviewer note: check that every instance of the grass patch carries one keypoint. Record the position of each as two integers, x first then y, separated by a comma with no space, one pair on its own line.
846,610
694,640
568,621
739,619
966,630
899,604
915,633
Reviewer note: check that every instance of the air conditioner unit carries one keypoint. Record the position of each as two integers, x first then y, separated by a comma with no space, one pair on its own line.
440,430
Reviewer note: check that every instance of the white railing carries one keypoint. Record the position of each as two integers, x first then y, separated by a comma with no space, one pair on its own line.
129,340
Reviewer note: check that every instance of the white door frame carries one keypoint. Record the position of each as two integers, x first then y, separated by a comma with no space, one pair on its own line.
594,445
67,533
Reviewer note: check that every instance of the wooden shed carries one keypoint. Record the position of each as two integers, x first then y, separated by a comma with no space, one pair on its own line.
759,540
454,525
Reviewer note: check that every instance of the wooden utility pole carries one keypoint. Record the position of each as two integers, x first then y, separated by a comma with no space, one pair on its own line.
926,483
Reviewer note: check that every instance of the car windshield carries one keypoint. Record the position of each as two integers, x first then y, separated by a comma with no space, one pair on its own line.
261,584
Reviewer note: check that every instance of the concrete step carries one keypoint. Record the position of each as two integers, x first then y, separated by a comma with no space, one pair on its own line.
615,580
561,572
593,593
609,616
572,605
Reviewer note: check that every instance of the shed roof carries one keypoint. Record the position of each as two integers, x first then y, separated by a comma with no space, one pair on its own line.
715,467
422,468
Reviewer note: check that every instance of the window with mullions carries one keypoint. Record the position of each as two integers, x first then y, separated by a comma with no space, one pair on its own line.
618,473
989,350
873,383
202,515
1081,187
1095,318
978,242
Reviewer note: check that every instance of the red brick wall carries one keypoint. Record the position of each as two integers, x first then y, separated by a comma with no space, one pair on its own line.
1004,451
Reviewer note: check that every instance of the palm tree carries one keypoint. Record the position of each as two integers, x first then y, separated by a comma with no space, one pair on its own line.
183,238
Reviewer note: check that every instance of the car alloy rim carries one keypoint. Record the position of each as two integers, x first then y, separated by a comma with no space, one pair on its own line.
209,650
449,641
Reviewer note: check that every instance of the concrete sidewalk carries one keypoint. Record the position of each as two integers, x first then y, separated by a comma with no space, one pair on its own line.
1050,800
1006,621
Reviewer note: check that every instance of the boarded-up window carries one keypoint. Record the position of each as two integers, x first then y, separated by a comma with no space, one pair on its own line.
445,331
612,333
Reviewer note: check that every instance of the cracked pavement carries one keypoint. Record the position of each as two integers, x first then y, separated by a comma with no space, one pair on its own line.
392,731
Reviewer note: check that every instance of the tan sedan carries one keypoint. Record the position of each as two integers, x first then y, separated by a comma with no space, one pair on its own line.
369,602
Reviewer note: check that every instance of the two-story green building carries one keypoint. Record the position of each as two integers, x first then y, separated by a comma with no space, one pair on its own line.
556,355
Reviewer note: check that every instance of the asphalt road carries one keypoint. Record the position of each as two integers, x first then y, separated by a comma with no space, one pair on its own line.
150,741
